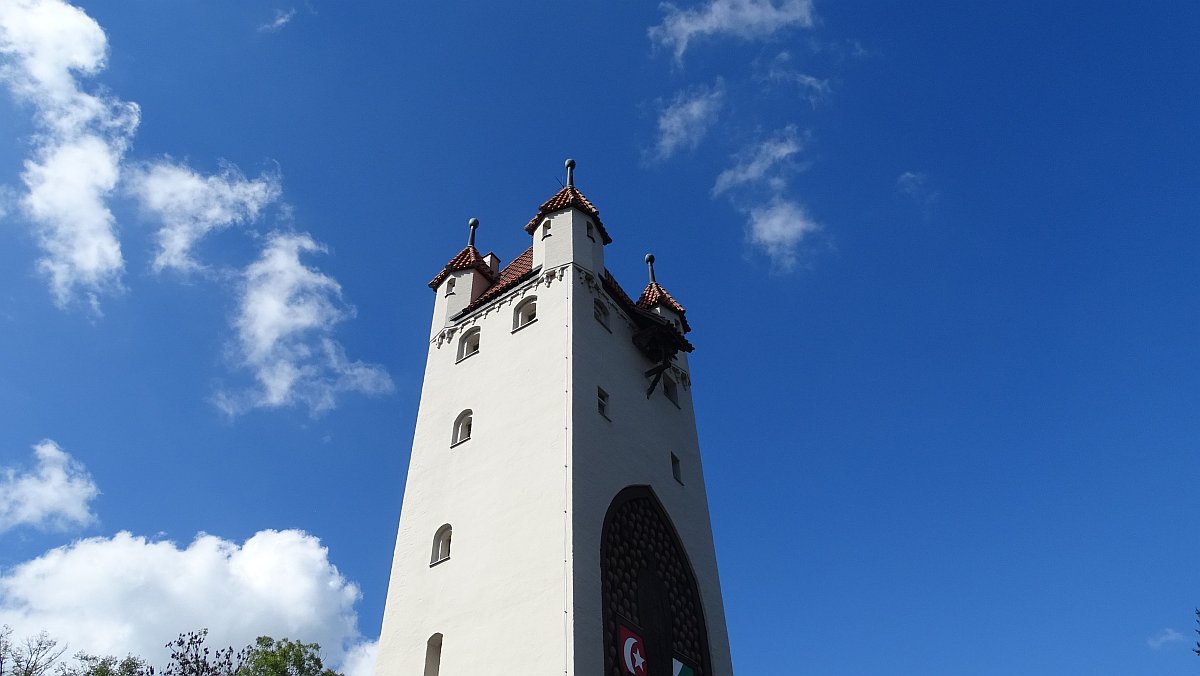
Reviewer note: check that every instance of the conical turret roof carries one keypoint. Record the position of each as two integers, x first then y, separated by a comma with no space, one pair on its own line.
467,259
655,295
566,198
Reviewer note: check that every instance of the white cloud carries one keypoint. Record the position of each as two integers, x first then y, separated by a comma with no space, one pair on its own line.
80,141
360,660
684,121
815,88
1162,638
128,594
55,495
755,164
191,205
745,19
282,18
915,185
284,334
778,228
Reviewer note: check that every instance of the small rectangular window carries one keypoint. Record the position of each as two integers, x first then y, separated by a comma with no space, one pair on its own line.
676,469
602,402
589,231
671,389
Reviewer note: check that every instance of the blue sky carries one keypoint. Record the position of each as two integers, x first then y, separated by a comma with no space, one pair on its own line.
940,261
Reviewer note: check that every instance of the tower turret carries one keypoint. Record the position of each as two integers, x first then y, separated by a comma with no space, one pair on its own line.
467,275
567,229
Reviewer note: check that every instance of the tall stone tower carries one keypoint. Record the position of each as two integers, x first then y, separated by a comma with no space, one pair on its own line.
554,519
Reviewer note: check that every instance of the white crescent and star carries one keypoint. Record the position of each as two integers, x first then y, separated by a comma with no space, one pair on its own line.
629,643
633,660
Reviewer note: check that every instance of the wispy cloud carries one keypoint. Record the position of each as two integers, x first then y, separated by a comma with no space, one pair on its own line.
915,185
780,70
191,205
685,120
776,224
1163,638
745,19
778,228
129,594
53,496
284,328
282,18
763,162
81,140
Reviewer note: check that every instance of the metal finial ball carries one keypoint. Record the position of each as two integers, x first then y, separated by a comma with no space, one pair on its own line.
473,223
650,259
570,164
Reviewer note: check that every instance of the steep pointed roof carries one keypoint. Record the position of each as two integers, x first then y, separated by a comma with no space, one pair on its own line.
655,295
466,259
566,198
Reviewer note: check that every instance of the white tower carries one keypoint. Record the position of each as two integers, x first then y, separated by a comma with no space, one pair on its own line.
554,518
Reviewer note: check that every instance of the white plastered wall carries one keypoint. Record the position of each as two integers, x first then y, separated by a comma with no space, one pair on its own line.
633,446
504,492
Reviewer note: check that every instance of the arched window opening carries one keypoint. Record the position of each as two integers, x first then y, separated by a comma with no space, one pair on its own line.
450,286
433,655
671,389
525,314
600,312
462,428
441,545
590,230
545,228
468,344
602,402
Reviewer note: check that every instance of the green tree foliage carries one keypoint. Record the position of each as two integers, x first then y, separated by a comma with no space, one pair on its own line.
41,655
95,665
286,657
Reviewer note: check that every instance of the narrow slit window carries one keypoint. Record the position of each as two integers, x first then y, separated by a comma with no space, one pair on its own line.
601,313
671,389
441,545
462,427
676,469
468,344
525,313
602,402
433,655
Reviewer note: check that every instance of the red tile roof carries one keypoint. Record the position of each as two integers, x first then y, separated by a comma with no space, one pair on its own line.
655,295
638,309
466,259
512,273
568,197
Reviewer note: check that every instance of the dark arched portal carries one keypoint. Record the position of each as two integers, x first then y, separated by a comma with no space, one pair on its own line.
653,617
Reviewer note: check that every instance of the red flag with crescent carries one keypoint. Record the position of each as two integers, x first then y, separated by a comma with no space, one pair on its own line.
633,651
